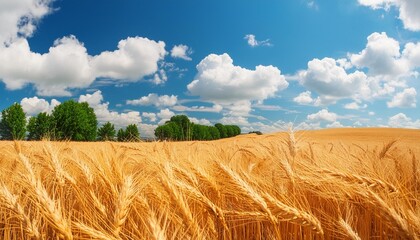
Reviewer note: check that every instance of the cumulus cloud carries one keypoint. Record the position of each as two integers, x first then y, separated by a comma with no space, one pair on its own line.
408,10
335,124
165,115
201,121
216,108
323,115
219,81
304,98
155,100
135,58
327,78
354,106
381,56
33,106
67,64
404,99
104,114
181,51
253,42
19,18
401,120
378,71
150,116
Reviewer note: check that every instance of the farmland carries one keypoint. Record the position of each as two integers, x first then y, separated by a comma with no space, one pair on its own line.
327,184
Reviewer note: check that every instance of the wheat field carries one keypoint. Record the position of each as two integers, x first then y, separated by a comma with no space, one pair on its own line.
329,184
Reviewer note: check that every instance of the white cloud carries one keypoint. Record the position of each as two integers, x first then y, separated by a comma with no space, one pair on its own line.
378,71
381,56
304,98
160,77
67,64
164,115
221,82
354,106
335,124
216,108
135,58
323,115
408,10
155,100
253,42
33,106
371,113
19,17
181,51
402,121
103,114
404,99
329,79
147,130
201,121
150,116
236,120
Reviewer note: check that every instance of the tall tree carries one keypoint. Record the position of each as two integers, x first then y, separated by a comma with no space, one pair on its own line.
106,132
222,130
40,127
13,123
75,121
132,133
185,125
121,136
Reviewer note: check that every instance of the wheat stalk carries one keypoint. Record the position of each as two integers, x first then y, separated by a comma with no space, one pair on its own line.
10,201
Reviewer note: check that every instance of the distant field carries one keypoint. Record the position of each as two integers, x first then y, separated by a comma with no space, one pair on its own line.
327,184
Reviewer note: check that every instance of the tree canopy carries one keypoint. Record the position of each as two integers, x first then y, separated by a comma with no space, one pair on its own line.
75,121
180,128
13,123
40,127
106,132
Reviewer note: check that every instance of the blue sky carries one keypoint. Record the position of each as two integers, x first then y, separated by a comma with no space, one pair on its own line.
259,64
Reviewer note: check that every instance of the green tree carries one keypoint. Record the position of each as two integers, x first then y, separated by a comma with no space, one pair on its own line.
40,127
106,132
75,121
13,123
132,133
170,131
121,136
214,133
222,130
185,126
230,132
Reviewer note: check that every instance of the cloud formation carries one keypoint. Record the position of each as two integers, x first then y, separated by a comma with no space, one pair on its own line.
67,64
218,80
155,100
408,10
253,42
323,115
404,99
104,114
181,51
19,18
33,106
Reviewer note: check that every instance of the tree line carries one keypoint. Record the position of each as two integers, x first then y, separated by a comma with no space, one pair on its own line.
70,121
74,121
180,128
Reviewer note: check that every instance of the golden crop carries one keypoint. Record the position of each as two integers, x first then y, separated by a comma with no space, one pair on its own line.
333,184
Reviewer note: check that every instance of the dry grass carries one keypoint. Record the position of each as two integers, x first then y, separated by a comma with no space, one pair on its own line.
303,185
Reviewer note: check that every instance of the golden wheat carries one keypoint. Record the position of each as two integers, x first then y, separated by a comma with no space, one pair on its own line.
279,186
